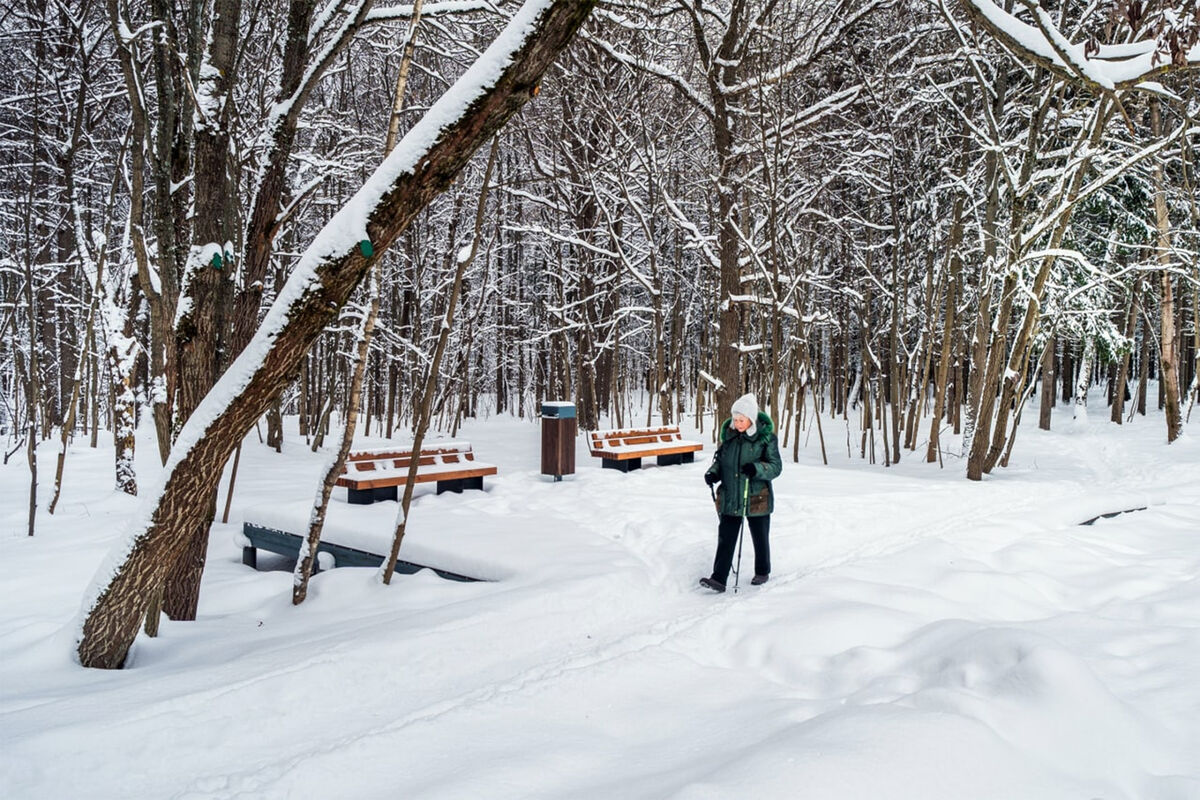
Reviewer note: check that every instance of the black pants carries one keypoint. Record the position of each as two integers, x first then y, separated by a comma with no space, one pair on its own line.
727,538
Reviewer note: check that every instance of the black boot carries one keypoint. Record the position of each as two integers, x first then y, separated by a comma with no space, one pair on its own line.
712,583
759,580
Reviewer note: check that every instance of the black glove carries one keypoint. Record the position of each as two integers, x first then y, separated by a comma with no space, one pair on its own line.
748,470
711,478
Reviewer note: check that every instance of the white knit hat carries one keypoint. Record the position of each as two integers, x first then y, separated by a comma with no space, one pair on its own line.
747,406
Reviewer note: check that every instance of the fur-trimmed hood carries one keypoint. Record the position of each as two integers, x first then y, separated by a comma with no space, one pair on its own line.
764,425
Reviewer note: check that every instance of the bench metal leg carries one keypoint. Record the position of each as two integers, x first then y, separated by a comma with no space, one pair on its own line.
622,466
458,484
250,557
364,497
671,459
360,497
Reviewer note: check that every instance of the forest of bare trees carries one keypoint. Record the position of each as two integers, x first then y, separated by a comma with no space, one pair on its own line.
904,216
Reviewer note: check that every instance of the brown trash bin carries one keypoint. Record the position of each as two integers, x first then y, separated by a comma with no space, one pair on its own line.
559,427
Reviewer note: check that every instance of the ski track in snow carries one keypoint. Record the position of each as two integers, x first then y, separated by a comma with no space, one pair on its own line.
529,681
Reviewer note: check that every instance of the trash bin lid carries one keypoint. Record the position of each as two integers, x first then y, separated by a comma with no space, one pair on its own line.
558,409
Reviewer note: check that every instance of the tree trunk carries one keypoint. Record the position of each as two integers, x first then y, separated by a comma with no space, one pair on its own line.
207,289
31,433
892,456
308,551
1084,381
271,191
949,322
1169,356
275,426
421,420
1049,389
1121,382
1194,390
410,44
122,362
171,172
304,395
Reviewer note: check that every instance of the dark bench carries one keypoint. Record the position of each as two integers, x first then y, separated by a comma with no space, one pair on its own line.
1112,514
373,475
288,544
624,449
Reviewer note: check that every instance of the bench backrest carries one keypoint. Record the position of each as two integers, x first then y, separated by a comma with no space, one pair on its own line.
635,436
368,460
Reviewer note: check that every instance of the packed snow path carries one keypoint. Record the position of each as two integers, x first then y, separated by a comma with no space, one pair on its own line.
921,636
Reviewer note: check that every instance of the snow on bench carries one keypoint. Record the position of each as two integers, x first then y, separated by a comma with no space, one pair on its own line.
257,536
454,544
624,449
373,475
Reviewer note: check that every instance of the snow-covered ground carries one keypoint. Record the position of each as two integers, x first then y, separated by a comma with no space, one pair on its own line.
921,637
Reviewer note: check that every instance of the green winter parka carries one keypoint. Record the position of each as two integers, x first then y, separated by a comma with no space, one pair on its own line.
736,449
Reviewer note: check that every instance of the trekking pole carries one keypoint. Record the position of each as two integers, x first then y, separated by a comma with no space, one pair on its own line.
737,573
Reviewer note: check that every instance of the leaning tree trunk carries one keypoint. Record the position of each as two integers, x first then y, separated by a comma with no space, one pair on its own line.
468,115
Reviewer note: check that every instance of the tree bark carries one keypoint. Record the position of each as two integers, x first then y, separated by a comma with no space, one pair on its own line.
410,45
207,289
1084,381
1169,360
171,168
950,320
308,552
1122,380
1049,389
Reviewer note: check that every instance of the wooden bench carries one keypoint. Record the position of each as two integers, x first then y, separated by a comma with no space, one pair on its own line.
624,449
373,475
288,544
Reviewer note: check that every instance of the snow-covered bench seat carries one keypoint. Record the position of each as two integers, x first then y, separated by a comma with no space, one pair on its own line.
260,537
624,449
454,534
373,475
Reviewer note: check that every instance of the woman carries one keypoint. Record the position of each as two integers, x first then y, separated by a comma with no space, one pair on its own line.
746,461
